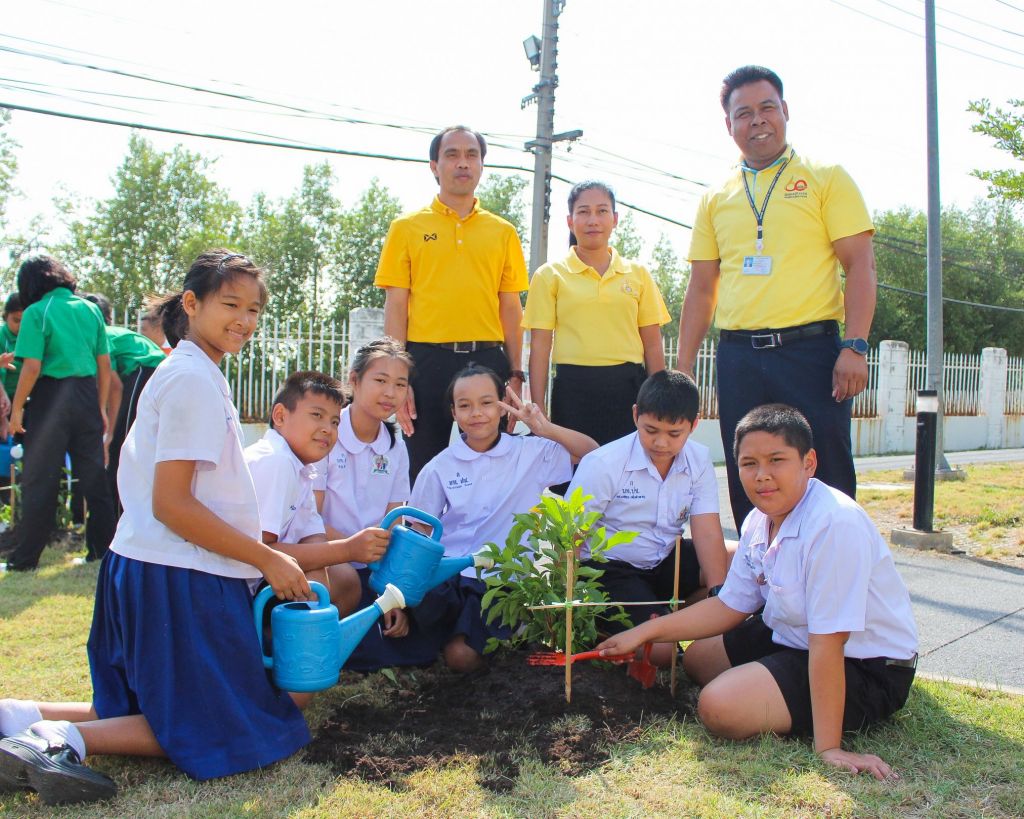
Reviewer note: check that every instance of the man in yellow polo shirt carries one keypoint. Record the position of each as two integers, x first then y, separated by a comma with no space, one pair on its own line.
453,273
766,251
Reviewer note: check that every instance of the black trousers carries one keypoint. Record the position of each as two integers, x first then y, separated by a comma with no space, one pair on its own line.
435,368
133,385
62,416
597,401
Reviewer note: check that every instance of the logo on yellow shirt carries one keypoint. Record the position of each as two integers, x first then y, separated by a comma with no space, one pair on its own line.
429,237
796,189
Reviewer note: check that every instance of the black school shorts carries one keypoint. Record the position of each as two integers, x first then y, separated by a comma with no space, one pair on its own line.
874,690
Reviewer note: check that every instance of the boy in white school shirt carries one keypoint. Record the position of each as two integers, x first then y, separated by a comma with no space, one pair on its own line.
836,646
303,429
653,482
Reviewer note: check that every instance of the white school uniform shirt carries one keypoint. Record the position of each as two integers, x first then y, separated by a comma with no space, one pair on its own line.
284,488
828,570
360,480
475,494
185,414
631,496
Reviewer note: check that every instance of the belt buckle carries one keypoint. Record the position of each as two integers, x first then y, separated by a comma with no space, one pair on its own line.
765,341
457,345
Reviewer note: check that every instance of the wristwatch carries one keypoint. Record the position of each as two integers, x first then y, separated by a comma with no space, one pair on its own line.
714,590
858,345
518,374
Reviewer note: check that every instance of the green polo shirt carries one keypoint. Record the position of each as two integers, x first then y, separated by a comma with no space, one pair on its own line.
65,333
130,350
9,378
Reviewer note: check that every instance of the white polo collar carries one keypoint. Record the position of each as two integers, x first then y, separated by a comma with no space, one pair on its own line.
791,525
639,459
279,444
461,450
194,352
380,445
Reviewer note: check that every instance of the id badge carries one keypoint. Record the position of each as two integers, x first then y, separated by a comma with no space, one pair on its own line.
757,265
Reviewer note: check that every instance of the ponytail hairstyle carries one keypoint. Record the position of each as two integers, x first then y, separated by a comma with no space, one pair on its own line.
580,187
41,274
209,272
385,347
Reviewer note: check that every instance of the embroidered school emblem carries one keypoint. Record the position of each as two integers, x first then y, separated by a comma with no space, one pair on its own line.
628,289
684,515
380,465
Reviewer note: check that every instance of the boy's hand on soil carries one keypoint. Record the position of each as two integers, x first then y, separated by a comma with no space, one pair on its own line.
285,577
619,645
396,623
859,763
368,545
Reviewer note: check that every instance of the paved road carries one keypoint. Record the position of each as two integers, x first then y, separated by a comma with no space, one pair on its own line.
970,612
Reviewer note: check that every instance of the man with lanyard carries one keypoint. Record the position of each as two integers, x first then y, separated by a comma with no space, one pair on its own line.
766,250
453,273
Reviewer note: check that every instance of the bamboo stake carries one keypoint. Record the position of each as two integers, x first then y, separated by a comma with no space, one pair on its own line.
608,604
570,585
675,607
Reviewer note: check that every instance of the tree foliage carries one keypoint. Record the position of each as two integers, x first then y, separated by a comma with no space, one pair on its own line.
506,196
1006,127
8,166
164,211
671,276
626,238
982,262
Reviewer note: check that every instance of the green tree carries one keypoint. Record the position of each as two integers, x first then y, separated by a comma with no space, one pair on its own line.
982,262
165,210
1006,127
359,242
671,276
8,166
626,239
506,196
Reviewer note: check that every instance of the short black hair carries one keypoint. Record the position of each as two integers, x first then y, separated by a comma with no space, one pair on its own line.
744,75
39,275
300,384
435,143
776,419
669,395
12,305
103,303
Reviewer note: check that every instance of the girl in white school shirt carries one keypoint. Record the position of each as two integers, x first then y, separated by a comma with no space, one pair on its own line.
175,661
475,486
365,477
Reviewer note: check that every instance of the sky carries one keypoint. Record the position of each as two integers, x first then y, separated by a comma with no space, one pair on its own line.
640,79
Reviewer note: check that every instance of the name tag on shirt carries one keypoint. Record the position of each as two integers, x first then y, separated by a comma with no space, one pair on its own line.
757,265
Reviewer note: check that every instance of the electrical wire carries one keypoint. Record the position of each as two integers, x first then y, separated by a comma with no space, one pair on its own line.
949,28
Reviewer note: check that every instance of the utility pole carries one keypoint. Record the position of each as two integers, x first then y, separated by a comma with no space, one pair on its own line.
543,56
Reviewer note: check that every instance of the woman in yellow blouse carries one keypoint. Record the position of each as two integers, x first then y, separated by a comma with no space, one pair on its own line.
598,317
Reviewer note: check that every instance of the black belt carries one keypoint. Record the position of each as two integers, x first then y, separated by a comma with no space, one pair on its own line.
461,346
768,339
911,663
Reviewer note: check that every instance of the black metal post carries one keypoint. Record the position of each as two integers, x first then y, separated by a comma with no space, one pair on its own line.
924,460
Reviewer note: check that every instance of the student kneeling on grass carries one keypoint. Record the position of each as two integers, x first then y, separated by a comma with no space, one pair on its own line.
653,482
304,422
836,646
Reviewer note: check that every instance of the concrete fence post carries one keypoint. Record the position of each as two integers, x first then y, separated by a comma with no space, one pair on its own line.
992,400
893,361
364,325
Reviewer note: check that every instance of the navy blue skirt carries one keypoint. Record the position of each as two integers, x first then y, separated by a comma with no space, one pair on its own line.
179,647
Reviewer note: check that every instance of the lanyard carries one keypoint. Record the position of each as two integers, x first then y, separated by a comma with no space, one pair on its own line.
759,214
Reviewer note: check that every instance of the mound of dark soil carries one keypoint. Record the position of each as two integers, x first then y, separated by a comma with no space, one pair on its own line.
498,715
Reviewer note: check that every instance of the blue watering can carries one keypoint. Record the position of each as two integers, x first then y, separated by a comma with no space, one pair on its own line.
310,643
414,562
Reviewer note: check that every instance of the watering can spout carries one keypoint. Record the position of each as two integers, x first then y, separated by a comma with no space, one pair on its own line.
451,566
354,627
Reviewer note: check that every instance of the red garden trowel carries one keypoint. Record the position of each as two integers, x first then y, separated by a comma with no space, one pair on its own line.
643,670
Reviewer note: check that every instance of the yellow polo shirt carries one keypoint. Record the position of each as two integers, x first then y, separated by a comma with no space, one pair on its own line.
813,205
454,269
595,318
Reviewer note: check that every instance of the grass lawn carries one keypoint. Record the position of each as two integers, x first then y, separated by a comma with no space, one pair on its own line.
985,513
960,751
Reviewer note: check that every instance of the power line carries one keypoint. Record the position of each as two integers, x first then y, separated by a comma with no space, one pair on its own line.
953,301
918,34
1010,6
949,28
979,22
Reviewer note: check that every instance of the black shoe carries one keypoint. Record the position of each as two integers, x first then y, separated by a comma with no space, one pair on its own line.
55,772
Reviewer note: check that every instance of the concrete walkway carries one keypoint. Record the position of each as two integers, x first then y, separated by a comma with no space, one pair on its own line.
969,611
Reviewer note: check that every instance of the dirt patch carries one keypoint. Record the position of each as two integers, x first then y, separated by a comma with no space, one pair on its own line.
499,715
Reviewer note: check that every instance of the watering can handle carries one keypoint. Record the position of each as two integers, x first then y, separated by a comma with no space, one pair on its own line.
323,600
417,514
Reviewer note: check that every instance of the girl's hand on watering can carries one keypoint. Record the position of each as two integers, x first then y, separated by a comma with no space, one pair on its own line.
396,623
368,545
284,576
